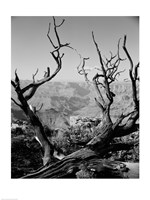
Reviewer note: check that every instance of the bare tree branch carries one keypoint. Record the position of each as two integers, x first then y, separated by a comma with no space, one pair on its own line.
48,35
107,89
31,89
98,90
55,29
136,72
81,68
16,103
121,118
61,23
17,81
124,130
13,83
31,93
33,76
127,53
132,71
99,105
47,77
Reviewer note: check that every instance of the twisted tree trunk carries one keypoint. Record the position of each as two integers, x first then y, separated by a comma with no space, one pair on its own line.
85,163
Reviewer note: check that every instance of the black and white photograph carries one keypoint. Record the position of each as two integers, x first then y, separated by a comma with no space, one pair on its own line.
75,97
74,100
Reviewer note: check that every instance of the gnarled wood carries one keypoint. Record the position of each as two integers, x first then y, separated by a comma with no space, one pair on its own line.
84,161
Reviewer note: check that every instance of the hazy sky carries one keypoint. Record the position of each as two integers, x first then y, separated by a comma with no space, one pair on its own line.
30,46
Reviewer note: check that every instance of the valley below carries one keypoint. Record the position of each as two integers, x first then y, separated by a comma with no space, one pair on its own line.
67,109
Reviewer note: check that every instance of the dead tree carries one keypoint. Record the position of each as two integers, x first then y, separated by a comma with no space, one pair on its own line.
108,72
88,159
26,93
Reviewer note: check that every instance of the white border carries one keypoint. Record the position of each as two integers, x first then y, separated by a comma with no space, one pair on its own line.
72,189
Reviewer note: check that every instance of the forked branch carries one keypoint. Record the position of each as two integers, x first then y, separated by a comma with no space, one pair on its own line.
16,102
109,73
47,76
133,73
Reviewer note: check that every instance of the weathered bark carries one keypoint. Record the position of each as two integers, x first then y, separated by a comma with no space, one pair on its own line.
86,160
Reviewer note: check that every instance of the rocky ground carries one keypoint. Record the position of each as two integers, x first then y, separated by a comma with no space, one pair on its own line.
26,153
